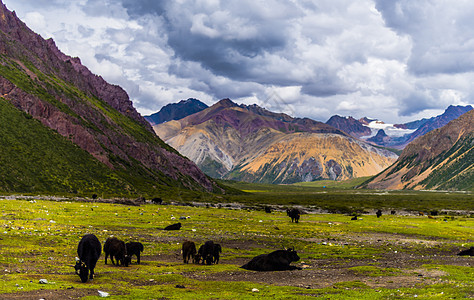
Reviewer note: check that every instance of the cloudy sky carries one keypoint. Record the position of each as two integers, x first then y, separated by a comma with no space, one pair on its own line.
395,60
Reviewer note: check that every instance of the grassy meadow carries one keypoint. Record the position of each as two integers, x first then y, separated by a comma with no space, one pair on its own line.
393,257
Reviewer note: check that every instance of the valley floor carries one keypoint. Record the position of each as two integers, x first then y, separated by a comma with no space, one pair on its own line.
391,257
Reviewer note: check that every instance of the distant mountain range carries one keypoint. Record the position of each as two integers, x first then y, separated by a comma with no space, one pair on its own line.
397,135
442,159
176,111
252,144
66,130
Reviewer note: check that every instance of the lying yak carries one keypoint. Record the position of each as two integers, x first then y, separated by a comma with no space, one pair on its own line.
467,252
88,250
294,214
278,260
133,248
189,251
176,226
116,248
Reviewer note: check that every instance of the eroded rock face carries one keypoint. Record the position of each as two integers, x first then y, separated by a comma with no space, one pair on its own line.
252,144
99,117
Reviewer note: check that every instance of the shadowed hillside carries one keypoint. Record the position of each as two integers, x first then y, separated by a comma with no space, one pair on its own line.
89,114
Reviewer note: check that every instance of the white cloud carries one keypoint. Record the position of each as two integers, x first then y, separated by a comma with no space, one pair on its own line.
394,60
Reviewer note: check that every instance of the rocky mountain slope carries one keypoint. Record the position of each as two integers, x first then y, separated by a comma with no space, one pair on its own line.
451,113
176,111
93,117
250,143
442,159
349,125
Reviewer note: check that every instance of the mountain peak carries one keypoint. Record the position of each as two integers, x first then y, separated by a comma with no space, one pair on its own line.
226,103
457,108
176,111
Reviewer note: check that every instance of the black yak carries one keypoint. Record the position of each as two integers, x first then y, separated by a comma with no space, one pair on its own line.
379,213
157,200
467,252
189,251
206,252
88,250
278,260
116,248
134,248
216,253
176,226
294,214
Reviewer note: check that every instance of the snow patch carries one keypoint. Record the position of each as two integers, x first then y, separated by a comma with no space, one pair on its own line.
389,129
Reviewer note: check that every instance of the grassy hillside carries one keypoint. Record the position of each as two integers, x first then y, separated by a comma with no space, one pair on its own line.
394,257
459,173
34,158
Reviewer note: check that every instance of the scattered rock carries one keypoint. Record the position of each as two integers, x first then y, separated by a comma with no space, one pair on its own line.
103,294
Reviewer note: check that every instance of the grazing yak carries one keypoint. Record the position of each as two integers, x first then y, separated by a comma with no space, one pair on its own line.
216,253
354,218
278,260
206,253
133,248
116,248
379,213
88,250
176,226
294,214
467,252
189,251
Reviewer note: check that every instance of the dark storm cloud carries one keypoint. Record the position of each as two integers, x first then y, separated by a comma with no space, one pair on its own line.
227,39
144,7
326,86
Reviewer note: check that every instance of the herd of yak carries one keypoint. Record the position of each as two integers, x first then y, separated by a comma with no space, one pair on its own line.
89,250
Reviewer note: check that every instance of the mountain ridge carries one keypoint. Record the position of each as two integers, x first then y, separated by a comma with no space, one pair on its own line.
399,136
234,141
441,159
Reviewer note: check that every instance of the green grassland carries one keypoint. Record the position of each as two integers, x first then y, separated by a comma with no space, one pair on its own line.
394,257
341,197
